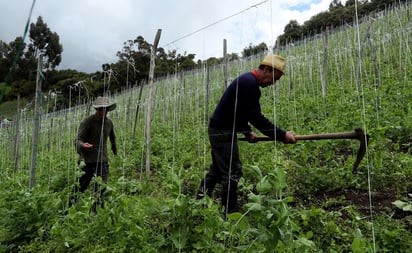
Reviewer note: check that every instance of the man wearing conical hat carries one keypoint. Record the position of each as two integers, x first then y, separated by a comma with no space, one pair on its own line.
91,145
238,107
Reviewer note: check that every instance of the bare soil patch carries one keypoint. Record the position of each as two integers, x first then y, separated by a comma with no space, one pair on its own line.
365,202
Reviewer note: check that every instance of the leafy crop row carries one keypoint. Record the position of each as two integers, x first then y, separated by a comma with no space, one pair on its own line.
295,198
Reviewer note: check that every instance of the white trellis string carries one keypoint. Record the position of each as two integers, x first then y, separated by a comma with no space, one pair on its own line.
364,127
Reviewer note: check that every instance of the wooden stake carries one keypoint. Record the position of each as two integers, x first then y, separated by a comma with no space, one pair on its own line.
17,140
149,100
225,60
325,61
36,128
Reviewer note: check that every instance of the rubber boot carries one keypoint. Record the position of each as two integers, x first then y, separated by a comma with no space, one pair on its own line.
206,187
229,197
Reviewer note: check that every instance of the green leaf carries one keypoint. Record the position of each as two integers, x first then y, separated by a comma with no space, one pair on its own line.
264,185
405,206
234,216
255,207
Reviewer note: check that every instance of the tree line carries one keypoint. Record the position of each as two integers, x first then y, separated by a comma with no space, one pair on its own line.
18,60
336,16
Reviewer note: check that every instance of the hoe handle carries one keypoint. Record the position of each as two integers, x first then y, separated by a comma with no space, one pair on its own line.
356,134
342,135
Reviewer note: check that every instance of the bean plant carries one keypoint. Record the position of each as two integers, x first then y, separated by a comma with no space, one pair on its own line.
294,198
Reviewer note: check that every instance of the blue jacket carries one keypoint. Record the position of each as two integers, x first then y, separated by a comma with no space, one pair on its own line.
241,98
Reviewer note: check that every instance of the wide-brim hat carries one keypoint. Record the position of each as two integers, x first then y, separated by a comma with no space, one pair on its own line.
275,61
104,102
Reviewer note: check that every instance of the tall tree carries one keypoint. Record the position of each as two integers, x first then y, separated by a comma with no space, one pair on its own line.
252,50
335,4
292,31
45,42
8,53
4,60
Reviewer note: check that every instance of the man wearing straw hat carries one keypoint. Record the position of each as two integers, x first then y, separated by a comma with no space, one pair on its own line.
91,145
238,107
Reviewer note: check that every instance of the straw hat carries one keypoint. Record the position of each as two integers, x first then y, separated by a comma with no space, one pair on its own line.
103,102
275,61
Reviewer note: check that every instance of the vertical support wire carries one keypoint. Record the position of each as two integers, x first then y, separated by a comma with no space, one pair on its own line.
364,123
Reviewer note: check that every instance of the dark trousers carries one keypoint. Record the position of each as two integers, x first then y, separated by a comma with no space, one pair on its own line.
226,169
100,169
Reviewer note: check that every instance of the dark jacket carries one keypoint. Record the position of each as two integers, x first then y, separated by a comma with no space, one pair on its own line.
241,98
90,130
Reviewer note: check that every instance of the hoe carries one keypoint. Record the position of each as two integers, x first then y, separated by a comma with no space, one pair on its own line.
357,134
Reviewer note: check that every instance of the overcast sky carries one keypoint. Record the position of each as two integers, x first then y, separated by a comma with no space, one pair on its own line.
92,31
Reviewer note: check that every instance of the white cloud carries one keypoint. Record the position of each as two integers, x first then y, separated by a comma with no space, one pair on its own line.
92,31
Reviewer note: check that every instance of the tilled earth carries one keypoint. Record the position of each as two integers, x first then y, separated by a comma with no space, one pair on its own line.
379,202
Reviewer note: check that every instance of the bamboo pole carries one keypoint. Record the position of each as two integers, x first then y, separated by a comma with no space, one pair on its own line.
325,61
17,140
207,93
149,100
36,128
225,60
